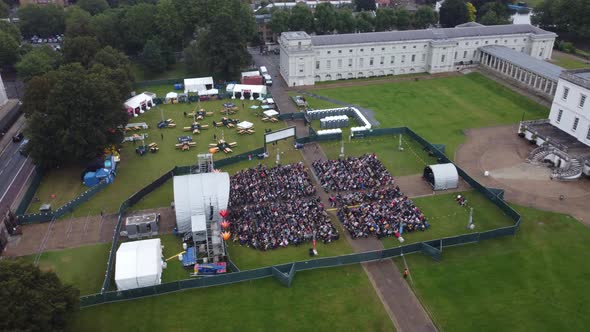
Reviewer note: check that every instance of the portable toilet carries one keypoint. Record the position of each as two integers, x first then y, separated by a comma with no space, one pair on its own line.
90,179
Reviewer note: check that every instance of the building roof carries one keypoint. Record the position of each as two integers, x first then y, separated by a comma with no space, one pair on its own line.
524,61
294,35
426,34
580,77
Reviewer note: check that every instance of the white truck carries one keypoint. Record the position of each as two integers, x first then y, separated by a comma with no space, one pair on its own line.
267,79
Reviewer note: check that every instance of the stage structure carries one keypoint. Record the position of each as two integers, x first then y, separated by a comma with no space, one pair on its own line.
278,135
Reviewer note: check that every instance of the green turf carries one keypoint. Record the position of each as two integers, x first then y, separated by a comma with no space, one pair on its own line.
568,62
59,192
134,171
447,218
329,299
83,267
535,281
410,160
315,103
369,79
441,109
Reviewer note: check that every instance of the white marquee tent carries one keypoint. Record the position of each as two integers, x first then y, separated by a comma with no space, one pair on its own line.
199,84
442,176
193,193
245,88
138,264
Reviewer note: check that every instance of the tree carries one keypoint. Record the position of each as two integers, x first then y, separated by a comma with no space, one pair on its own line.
78,22
4,10
80,49
38,61
403,19
138,25
346,22
93,6
170,29
425,17
73,114
453,13
385,19
365,22
152,58
191,59
116,68
34,300
106,26
222,48
361,5
43,21
471,12
325,18
8,49
301,18
493,13
279,21
11,29
569,16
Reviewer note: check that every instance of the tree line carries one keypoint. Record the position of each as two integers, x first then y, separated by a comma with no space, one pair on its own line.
569,16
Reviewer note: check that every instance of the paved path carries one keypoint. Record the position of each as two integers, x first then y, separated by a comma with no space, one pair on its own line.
401,304
524,185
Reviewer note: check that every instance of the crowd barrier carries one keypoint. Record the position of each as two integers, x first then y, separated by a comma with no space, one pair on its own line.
285,273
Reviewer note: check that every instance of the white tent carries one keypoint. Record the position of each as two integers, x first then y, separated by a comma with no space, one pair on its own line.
194,193
210,92
245,88
245,125
171,95
270,113
140,101
442,176
138,264
198,84
250,73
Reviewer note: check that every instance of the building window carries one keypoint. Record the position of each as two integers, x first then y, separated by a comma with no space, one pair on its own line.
329,52
362,50
339,51
486,42
328,64
495,41
370,61
559,114
522,50
361,62
299,44
575,126
455,55
541,51
442,58
349,62
403,58
317,65
413,57
588,134
464,54
382,48
476,43
423,57
382,60
566,91
349,51
467,44
392,59
339,63
582,100
372,49
414,46
474,53
505,41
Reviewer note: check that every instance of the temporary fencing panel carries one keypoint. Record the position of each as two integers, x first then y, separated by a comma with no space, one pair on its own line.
431,251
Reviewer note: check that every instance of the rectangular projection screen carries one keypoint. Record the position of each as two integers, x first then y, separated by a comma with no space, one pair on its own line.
279,135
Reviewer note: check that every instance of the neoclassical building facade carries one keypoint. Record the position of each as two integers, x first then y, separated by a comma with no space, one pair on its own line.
308,59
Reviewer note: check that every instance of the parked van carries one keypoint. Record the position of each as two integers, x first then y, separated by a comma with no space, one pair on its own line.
263,70
267,79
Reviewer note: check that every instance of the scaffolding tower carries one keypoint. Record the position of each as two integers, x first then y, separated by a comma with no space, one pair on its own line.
204,163
209,241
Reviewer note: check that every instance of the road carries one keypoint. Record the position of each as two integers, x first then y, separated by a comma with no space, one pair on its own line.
15,169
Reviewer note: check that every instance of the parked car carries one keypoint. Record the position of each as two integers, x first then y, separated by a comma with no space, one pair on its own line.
18,137
23,147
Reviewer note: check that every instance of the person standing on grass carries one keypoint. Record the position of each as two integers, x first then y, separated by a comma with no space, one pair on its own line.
406,273
162,135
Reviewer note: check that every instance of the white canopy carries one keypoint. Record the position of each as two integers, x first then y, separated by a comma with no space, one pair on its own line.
270,101
250,73
240,88
270,113
138,264
210,92
136,101
197,84
193,193
171,95
245,125
442,176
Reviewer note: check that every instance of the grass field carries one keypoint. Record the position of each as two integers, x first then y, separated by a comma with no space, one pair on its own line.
409,161
440,109
533,281
447,218
136,171
568,62
328,299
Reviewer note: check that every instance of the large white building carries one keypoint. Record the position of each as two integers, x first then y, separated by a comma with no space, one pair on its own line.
3,96
564,138
308,59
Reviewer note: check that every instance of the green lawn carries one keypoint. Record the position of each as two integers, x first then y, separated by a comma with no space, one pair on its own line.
83,267
134,171
534,281
177,70
447,218
59,192
369,79
568,63
315,103
330,299
440,109
411,160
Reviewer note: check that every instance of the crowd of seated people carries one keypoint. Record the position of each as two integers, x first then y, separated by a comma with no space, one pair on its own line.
263,184
383,216
358,197
276,207
352,173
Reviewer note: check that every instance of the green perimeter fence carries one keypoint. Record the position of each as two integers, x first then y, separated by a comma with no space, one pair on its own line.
285,273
